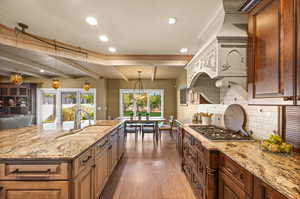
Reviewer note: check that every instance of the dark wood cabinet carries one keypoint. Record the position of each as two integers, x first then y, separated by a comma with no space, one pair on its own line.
271,67
200,166
298,53
264,191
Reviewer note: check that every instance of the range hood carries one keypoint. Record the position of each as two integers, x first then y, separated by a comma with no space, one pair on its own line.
223,57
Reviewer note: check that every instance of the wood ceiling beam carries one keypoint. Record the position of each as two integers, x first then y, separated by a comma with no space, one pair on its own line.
15,70
154,70
120,73
4,73
29,63
17,39
77,67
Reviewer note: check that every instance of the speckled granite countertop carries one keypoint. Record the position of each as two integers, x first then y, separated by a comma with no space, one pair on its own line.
280,172
37,143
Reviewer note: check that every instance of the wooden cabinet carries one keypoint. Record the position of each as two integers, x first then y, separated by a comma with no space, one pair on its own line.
121,142
34,189
114,149
101,167
234,181
271,67
83,184
200,166
298,53
264,191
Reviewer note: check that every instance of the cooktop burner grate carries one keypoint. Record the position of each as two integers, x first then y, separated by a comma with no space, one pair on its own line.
218,134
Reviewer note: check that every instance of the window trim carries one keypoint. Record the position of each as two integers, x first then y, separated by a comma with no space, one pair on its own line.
122,91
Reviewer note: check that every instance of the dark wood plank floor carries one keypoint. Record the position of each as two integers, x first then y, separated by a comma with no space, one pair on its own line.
149,172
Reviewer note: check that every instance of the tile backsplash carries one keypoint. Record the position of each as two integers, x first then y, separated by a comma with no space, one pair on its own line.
261,120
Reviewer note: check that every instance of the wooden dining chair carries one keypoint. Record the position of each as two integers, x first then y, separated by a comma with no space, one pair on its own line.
167,126
148,127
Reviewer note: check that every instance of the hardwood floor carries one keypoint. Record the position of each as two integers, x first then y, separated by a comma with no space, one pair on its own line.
149,172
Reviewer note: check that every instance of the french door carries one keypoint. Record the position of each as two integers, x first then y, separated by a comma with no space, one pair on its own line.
57,108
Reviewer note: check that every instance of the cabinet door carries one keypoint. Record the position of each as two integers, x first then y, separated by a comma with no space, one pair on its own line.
264,191
228,189
101,172
298,53
271,53
121,143
34,189
83,184
114,150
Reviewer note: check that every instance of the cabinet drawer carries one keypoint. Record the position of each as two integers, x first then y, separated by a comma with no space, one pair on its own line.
34,171
34,190
101,145
83,161
239,175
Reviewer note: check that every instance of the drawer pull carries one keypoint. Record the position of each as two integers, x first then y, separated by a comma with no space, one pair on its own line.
17,171
288,98
86,160
102,145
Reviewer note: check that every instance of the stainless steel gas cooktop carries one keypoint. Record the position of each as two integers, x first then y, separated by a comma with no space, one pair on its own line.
215,133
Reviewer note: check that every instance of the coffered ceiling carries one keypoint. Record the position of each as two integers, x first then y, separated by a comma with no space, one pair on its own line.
133,26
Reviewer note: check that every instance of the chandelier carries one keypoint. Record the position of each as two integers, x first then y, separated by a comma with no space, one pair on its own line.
139,93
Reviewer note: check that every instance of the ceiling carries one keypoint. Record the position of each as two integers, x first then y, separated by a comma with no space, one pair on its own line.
133,26
54,67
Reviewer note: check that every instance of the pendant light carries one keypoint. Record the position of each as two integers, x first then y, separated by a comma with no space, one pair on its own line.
16,79
86,86
55,81
139,88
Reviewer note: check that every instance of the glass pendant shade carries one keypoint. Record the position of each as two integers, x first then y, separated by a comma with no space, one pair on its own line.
16,79
86,86
55,84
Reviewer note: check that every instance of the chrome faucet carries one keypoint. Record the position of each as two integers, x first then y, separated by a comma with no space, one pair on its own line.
77,119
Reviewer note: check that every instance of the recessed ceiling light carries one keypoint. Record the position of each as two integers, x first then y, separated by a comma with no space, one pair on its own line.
172,20
42,71
91,20
183,50
112,49
103,38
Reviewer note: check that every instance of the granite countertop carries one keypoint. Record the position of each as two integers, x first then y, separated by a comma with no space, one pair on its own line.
280,172
37,143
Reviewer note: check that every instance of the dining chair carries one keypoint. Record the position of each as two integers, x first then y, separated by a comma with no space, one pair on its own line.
167,126
131,128
148,127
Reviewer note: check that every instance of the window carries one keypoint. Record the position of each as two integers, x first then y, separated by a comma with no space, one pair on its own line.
151,102
58,107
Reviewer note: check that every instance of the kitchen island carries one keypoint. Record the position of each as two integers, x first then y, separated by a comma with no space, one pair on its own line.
238,169
37,163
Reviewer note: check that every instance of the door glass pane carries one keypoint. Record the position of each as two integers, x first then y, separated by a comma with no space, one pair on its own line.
48,110
68,103
128,104
155,104
87,106
141,104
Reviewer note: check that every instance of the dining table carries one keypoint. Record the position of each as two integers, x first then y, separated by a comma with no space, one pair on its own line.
144,120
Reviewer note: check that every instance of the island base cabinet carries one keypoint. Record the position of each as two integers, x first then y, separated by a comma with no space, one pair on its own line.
101,172
34,190
83,185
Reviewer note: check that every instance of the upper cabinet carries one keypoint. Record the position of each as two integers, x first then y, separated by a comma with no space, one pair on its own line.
272,74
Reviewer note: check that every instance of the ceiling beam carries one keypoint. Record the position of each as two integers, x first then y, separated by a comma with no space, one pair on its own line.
29,63
18,39
154,70
15,70
120,73
4,73
77,67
